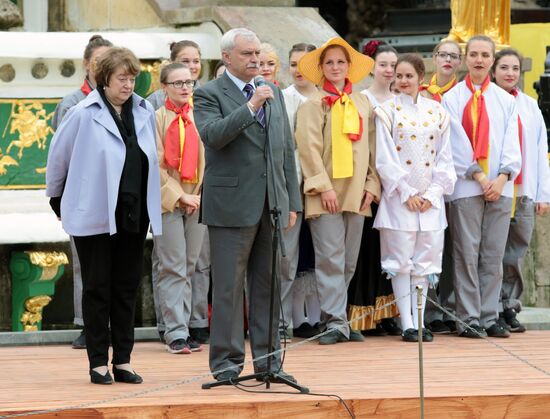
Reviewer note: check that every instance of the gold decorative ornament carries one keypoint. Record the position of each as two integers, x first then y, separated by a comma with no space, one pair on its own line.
48,259
33,312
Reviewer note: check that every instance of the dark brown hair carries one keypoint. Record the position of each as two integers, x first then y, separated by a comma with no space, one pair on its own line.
112,59
503,53
301,47
415,60
95,42
176,47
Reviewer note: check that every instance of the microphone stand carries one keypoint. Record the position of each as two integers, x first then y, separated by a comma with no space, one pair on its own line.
268,376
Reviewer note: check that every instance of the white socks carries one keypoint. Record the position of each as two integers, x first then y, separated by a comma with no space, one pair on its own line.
401,284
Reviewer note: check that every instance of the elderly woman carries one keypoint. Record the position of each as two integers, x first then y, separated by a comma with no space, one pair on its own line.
103,168
181,173
96,46
336,141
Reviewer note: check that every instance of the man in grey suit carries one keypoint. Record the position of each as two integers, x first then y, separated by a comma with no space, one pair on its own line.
238,123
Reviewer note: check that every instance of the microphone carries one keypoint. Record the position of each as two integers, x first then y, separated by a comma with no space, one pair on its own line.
259,81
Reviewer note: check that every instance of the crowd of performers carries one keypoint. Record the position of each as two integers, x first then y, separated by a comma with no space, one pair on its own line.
417,180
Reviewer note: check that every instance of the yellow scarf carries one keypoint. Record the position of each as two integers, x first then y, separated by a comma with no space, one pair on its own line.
437,91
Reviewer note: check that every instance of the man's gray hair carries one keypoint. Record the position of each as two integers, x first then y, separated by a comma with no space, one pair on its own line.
227,43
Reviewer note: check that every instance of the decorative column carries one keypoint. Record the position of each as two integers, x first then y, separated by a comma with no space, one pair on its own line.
34,275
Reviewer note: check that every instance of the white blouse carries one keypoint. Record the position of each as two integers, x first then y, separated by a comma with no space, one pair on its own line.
293,100
413,156
504,152
535,169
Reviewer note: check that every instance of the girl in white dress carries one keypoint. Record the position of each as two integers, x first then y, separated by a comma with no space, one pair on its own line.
414,162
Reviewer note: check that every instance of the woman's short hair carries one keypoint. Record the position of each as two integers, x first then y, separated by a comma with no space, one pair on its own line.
505,52
95,42
415,60
177,47
168,68
111,60
324,53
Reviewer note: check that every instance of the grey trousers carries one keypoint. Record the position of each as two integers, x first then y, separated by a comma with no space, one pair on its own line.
479,229
200,282
445,295
519,237
287,272
336,240
77,286
177,250
155,285
235,251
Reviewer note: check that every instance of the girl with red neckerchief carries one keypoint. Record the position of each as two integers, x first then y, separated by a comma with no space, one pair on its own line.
531,187
181,159
487,158
336,141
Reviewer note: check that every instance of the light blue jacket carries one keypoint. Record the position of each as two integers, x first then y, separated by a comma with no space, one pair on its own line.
85,163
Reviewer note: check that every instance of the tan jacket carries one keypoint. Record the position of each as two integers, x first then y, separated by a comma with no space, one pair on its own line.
313,135
171,185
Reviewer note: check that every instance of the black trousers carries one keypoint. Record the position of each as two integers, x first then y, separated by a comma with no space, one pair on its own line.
111,272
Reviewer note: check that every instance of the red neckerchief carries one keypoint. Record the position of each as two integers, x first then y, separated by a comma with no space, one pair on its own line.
478,133
184,161
514,92
336,95
86,88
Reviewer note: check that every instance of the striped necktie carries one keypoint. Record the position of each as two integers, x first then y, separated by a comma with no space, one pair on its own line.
260,113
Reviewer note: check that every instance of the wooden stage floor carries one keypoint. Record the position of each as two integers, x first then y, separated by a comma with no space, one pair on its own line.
377,378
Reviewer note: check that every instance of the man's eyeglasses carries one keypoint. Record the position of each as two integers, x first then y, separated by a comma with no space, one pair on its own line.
178,84
445,55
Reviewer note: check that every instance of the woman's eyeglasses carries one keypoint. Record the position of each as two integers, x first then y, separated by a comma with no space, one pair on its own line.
445,55
178,84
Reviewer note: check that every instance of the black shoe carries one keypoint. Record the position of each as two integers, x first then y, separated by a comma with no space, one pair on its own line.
497,331
279,377
391,327
451,325
473,332
512,322
355,336
227,375
200,334
438,327
410,335
305,330
97,378
193,345
427,335
378,331
80,341
501,321
334,336
123,376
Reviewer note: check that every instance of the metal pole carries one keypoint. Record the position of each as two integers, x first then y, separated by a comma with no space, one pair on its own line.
419,290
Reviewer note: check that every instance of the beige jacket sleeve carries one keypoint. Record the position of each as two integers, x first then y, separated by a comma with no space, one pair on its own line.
170,189
310,124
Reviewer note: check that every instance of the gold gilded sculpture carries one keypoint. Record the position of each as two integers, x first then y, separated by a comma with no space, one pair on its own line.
48,259
481,17
33,312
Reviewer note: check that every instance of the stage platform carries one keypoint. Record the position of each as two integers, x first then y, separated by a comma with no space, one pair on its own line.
377,378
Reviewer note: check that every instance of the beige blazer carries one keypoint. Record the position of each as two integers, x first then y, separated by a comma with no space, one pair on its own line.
313,136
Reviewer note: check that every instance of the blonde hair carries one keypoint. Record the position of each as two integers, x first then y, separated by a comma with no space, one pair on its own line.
271,53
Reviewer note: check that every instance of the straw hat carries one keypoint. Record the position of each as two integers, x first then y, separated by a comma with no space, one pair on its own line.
360,66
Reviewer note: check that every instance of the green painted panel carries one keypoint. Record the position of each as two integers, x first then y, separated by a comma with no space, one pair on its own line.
25,135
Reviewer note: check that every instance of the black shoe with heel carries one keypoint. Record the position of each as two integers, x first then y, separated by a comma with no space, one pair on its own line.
97,378
123,376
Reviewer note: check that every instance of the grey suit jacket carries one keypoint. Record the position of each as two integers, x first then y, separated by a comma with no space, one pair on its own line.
237,174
